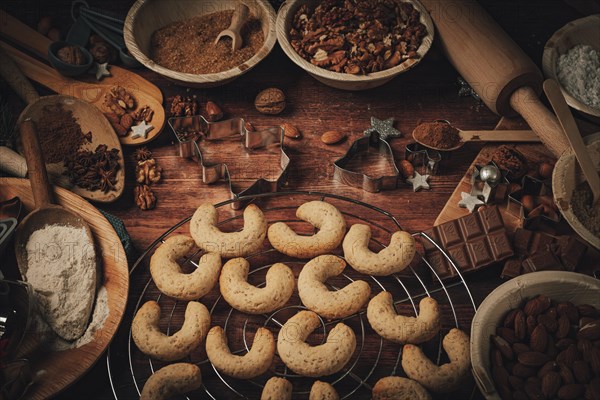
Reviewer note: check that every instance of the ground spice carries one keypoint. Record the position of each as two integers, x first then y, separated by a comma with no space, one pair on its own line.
584,210
59,134
437,135
189,45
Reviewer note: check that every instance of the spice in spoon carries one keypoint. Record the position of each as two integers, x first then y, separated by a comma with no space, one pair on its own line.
437,135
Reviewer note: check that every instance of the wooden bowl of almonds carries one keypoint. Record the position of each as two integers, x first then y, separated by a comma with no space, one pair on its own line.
354,45
177,39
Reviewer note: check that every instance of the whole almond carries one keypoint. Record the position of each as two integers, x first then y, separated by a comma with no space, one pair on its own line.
584,321
551,349
519,348
533,358
270,101
408,171
571,392
565,374
520,395
507,334
587,310
516,382
291,131
594,389
551,312
500,375
523,371
548,367
564,326
509,320
539,339
213,111
249,127
550,384
590,330
585,346
563,344
332,137
533,389
549,322
537,305
520,325
581,370
531,324
595,361
497,358
569,310
503,346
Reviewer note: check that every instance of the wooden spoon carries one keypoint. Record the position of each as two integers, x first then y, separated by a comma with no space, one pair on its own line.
567,122
482,136
240,15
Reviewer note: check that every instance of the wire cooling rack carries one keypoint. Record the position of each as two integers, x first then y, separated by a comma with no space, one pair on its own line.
374,357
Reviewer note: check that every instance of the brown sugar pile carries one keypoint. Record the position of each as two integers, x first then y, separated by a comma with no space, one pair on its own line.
59,134
584,210
437,135
189,45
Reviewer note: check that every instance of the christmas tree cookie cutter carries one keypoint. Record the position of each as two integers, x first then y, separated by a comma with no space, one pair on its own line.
189,131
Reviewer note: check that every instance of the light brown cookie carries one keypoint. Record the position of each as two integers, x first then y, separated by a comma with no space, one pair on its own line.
314,361
172,380
330,304
398,388
394,258
252,364
203,228
243,296
323,391
324,216
399,328
444,378
151,341
169,278
277,389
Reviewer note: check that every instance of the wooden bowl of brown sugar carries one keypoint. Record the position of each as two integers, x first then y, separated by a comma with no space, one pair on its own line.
176,39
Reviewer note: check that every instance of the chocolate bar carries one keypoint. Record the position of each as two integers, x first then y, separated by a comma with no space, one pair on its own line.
472,242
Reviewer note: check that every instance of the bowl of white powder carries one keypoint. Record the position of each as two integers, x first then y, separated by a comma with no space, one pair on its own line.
572,58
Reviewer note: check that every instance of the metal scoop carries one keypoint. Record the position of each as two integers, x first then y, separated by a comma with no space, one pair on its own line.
240,15
480,136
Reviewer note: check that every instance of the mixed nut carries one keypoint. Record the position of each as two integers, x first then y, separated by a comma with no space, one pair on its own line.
122,113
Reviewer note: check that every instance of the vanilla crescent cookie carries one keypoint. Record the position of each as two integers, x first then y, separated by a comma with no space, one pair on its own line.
277,389
323,391
324,216
252,364
151,341
244,297
443,378
330,304
398,388
394,258
169,278
314,361
203,228
172,380
401,329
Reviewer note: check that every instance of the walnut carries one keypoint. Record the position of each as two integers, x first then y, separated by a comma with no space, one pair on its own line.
143,114
101,51
119,101
184,106
147,172
144,197
71,55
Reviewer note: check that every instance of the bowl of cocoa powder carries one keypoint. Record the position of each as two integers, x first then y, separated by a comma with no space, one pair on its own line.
176,39
354,45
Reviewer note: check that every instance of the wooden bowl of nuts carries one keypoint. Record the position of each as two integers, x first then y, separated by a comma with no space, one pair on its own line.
176,39
528,327
354,45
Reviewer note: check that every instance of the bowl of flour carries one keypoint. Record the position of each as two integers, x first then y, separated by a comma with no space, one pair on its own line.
572,58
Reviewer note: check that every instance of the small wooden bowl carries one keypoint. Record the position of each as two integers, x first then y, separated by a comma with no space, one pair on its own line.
343,80
146,16
557,285
581,31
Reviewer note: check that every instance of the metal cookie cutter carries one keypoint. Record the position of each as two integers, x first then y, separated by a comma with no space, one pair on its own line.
534,187
375,139
190,130
418,154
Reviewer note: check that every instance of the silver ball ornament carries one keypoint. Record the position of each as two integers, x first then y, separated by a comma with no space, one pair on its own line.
490,174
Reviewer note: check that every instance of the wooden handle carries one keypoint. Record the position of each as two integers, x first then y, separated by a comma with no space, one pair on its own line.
16,80
240,15
24,35
526,102
40,185
489,60
12,162
499,136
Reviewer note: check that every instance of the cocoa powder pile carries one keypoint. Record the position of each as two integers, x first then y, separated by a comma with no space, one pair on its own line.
59,134
437,135
189,45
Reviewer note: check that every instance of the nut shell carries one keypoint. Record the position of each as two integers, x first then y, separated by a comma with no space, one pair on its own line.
270,101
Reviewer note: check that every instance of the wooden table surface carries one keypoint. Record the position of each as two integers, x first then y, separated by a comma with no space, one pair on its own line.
428,92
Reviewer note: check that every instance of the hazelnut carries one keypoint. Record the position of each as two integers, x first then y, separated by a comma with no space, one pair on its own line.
213,111
528,202
270,101
545,170
407,169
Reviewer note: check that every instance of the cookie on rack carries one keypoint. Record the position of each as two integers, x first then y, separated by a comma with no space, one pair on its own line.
399,328
172,281
323,391
277,389
440,378
252,364
204,230
330,304
172,380
398,388
314,361
247,298
390,260
148,337
322,215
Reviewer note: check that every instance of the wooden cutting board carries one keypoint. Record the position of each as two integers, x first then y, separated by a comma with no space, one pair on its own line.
65,367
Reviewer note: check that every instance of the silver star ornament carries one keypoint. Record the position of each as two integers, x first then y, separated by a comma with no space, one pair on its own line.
385,128
469,201
419,182
102,71
141,130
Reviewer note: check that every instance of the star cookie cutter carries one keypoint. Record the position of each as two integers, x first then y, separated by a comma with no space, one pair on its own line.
189,131
429,158
534,187
375,139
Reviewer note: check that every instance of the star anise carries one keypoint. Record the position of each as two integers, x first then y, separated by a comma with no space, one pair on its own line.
107,180
142,154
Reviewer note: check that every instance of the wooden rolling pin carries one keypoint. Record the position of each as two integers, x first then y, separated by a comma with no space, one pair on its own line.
499,71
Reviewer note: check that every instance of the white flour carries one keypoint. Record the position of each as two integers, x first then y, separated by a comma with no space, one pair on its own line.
578,71
61,268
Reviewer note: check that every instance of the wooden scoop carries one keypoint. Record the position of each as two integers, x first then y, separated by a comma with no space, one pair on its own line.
240,15
482,136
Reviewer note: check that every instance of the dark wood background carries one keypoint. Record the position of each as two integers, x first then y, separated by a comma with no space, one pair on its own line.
428,92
